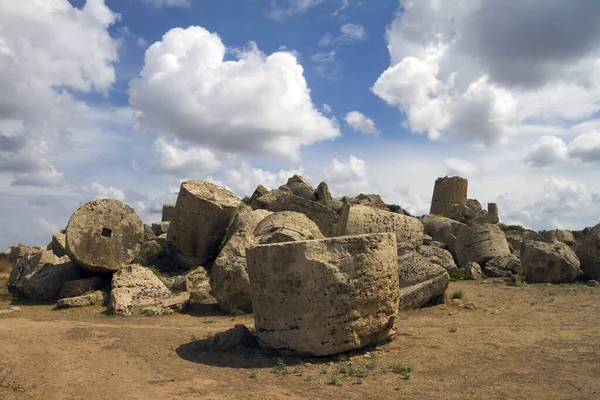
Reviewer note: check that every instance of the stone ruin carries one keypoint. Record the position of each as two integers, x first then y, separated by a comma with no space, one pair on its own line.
321,275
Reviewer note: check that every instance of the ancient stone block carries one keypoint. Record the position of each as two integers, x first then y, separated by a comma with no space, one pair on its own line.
323,297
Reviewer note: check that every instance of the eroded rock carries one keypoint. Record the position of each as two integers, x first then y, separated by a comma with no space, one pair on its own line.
104,235
323,297
421,282
286,226
549,262
480,243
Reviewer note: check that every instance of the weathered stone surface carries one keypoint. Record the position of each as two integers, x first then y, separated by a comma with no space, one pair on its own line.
448,192
26,260
191,280
91,299
162,240
239,335
560,235
286,226
369,200
244,216
300,187
421,282
140,285
334,204
104,235
258,192
549,262
228,277
188,263
158,228
120,302
323,297
515,239
443,230
588,251
474,205
359,219
58,244
480,243
202,214
148,233
473,270
503,267
81,287
439,256
176,303
278,201
323,194
46,283
168,211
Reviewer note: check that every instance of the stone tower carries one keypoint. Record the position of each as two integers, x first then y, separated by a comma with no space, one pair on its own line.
448,192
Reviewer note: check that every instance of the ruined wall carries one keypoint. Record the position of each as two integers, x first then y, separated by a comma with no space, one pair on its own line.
446,192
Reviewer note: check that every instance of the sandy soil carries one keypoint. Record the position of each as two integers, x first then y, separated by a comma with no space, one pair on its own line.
532,342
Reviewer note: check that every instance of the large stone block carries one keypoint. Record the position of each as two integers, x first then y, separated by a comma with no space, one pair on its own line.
168,211
323,297
104,235
480,243
549,262
286,226
26,260
421,282
448,192
46,283
588,251
228,277
202,213
358,219
280,200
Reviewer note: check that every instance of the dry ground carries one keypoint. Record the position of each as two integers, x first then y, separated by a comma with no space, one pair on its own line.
532,342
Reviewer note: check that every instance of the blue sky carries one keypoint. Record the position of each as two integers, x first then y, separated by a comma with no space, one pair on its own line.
127,98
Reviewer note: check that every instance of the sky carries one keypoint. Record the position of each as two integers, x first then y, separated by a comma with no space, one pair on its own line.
125,99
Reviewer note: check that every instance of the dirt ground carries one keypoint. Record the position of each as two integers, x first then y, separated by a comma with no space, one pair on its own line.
531,342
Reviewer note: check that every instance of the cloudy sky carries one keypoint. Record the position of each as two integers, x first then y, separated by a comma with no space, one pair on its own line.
127,98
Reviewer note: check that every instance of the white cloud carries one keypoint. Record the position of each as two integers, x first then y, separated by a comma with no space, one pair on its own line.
483,70
282,9
350,33
45,227
257,103
97,191
167,3
192,161
327,109
586,147
349,177
47,48
243,179
361,123
462,168
546,151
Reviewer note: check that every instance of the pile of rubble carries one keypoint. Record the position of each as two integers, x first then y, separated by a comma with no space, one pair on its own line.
322,275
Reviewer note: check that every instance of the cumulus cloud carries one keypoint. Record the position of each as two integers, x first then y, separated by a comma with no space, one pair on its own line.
586,147
561,203
359,122
256,104
350,33
459,70
192,161
243,179
45,227
48,51
546,151
463,168
349,177
282,9
97,191
27,160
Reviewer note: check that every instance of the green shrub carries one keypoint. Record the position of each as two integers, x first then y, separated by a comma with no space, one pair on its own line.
403,368
458,294
454,276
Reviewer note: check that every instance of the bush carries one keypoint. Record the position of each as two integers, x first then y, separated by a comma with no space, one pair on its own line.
458,294
403,368
454,276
